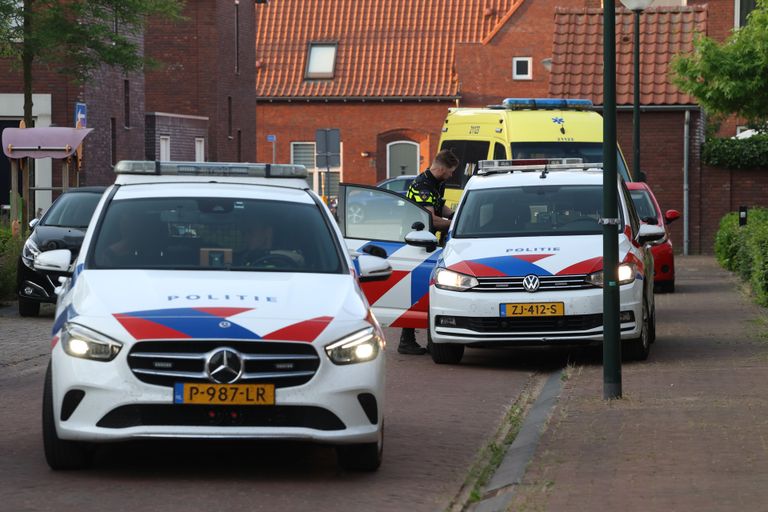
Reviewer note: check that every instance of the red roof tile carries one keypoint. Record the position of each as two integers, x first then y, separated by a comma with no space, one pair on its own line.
386,49
577,60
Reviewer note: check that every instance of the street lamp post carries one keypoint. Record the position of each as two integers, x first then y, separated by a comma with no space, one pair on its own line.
637,7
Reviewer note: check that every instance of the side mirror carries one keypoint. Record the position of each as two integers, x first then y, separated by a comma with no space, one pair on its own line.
671,215
422,238
418,226
54,261
34,222
650,233
372,268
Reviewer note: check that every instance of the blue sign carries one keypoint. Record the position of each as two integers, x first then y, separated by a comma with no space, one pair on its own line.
271,138
81,112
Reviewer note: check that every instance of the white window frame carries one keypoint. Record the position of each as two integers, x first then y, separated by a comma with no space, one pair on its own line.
314,171
736,13
321,60
516,75
199,149
165,148
418,154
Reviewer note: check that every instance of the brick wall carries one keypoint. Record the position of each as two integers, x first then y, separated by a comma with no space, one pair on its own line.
364,127
182,130
201,71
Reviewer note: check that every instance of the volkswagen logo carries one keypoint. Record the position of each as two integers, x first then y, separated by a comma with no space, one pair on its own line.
531,283
224,366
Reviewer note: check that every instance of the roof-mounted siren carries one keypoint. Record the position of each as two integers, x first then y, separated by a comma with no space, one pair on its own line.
243,170
547,104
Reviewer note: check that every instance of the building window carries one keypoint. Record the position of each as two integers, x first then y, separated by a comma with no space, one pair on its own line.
321,180
321,60
113,139
237,36
229,116
742,9
165,148
521,68
127,102
199,149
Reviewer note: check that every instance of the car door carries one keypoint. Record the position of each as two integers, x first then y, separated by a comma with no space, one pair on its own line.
375,221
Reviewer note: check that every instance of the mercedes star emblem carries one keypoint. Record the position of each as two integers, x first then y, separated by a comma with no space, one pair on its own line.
531,283
224,366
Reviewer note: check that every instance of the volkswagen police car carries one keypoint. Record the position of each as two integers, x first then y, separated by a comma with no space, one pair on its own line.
213,301
524,263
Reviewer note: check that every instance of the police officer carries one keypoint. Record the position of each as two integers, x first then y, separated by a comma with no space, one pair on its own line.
427,190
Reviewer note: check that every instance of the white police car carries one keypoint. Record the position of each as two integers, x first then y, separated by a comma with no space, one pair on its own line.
214,301
523,264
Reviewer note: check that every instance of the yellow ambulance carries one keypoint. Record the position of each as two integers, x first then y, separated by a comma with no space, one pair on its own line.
522,129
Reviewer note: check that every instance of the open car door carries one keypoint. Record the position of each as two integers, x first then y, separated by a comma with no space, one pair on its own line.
376,221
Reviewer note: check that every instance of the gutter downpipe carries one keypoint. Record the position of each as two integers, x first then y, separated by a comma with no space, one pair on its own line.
686,149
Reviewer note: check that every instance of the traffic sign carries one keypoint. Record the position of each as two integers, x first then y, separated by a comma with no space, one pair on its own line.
271,138
81,112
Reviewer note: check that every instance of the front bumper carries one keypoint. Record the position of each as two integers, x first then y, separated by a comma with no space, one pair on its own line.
34,285
116,406
478,322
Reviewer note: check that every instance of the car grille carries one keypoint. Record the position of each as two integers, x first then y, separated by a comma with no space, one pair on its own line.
300,416
527,324
166,362
547,283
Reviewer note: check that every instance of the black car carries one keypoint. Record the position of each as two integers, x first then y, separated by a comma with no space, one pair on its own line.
62,226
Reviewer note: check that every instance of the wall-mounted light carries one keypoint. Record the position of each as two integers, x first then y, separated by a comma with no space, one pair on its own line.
365,154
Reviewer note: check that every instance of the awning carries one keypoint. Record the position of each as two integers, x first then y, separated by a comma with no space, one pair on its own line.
50,142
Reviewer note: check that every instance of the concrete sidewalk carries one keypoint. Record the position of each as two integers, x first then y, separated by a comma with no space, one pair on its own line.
691,432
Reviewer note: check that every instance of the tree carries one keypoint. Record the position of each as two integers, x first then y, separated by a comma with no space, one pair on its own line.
730,77
76,36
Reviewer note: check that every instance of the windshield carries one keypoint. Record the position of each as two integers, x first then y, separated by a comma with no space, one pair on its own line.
73,210
214,233
589,152
530,211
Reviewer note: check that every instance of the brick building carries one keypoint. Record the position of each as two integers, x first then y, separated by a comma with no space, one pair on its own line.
197,105
386,75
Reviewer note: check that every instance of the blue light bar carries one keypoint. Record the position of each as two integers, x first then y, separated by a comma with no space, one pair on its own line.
242,170
547,103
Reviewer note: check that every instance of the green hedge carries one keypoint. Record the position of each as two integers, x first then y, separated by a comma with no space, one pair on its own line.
751,153
744,250
10,248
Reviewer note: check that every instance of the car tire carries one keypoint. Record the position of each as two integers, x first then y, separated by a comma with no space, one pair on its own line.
652,325
29,307
444,353
666,286
363,456
638,349
60,454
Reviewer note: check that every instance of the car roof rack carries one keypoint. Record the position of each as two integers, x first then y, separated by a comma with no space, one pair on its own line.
486,167
231,169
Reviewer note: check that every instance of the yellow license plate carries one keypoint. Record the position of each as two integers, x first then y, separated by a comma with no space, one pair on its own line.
532,309
224,394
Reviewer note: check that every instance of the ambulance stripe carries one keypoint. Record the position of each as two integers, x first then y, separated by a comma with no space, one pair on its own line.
308,330
374,290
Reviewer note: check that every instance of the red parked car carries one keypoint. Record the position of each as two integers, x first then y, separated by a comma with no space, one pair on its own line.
649,211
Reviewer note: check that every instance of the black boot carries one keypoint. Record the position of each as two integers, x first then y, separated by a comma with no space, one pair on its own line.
408,344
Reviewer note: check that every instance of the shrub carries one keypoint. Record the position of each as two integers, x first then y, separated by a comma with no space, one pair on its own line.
10,248
744,250
751,153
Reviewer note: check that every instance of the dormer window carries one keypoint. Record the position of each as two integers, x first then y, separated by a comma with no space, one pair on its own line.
321,60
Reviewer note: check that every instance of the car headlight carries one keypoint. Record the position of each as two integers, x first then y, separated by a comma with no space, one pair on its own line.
626,274
358,347
449,280
79,341
29,252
